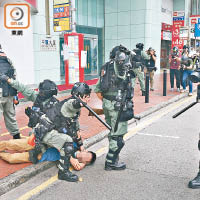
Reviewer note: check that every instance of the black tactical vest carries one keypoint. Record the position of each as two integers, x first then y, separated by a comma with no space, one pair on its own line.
137,59
108,78
7,69
63,124
44,107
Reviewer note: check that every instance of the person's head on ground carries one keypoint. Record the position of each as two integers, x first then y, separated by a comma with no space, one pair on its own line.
86,157
47,89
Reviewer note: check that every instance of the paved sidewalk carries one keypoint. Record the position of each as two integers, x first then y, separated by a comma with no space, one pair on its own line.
90,126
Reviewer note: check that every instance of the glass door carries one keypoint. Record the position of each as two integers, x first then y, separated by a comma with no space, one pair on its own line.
91,46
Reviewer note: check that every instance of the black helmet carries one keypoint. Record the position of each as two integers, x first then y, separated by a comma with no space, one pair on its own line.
47,89
80,89
140,46
115,49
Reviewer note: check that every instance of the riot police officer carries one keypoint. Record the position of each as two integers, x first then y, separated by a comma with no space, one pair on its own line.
43,100
195,183
55,123
138,62
111,87
7,94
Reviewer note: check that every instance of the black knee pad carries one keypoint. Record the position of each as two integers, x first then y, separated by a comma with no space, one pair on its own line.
68,148
120,142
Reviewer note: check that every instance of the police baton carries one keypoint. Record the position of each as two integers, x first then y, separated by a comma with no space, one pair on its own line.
88,108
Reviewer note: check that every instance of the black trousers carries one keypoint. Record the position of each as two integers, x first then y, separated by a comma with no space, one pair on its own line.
176,73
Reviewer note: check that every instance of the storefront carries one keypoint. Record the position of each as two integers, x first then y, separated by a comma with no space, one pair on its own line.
166,37
90,23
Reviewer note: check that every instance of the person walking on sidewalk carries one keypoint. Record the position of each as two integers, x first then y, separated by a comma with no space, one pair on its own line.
110,89
78,161
7,93
150,66
138,62
174,62
187,66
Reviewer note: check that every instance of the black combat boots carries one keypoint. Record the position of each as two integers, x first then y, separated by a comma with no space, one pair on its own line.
115,166
195,183
17,136
67,176
63,165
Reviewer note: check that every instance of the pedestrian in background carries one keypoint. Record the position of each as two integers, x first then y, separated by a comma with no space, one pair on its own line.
174,62
187,66
150,66
7,94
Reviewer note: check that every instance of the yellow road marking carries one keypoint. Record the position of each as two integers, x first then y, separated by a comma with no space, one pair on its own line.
39,188
103,149
7,133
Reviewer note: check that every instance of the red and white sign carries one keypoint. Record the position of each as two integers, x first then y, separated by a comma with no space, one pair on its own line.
176,40
193,21
178,13
179,23
166,27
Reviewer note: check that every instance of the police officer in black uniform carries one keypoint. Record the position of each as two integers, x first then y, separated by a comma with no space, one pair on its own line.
7,94
138,61
115,90
55,123
195,183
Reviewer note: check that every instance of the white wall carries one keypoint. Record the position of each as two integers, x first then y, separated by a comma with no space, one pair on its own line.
167,11
47,63
19,49
129,22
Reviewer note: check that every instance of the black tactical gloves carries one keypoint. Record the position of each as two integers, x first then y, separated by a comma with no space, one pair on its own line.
3,77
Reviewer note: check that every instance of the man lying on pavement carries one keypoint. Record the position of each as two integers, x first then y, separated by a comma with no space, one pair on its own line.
78,161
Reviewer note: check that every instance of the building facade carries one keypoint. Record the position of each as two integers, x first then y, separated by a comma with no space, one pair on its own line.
38,53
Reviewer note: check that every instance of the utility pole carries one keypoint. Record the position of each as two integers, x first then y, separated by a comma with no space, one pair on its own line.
47,17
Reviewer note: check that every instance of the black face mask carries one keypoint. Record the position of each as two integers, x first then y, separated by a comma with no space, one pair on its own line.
44,95
121,69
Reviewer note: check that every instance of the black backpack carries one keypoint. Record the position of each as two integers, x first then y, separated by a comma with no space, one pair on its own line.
106,76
